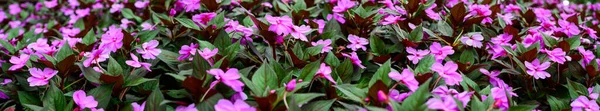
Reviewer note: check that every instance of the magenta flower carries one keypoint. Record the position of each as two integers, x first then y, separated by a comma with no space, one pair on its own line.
112,39
326,45
207,54
448,72
588,56
568,28
280,25
439,51
239,105
591,32
502,39
239,96
474,40
290,86
343,5
355,60
149,50
507,18
14,9
18,62
512,8
444,103
229,78
444,91
51,3
320,24
191,107
39,77
381,96
357,43
235,26
397,96
187,50
190,5
116,7
138,107
95,56
136,63
431,14
583,103
391,19
298,32
493,75
557,55
407,78
3,96
416,55
83,101
204,18
537,70
480,10
325,72
141,4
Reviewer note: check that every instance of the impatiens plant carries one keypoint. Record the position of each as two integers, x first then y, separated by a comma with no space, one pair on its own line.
299,55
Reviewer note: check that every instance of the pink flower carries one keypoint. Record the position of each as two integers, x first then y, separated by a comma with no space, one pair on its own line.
298,32
125,23
500,96
72,41
568,28
187,50
116,7
416,55
112,39
480,10
407,78
280,25
444,103
95,56
444,91
326,45
191,107
190,5
138,107
239,96
355,60
207,54
229,78
343,5
135,63
357,43
431,14
507,18
588,56
583,103
235,26
51,3
204,18
448,72
502,39
512,8
14,9
537,70
474,40
325,72
149,50
492,75
239,105
439,51
391,19
141,4
320,23
557,55
18,62
83,101
591,32
381,96
397,96
290,86
39,77
147,26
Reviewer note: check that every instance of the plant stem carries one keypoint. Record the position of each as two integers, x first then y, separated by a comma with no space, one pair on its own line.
211,86
437,81
285,100
72,83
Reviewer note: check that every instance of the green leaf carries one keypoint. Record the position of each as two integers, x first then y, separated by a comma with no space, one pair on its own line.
468,56
154,100
332,60
302,98
333,27
200,66
322,105
424,65
222,41
55,99
574,42
232,50
308,72
12,33
314,50
416,34
299,5
8,46
509,50
64,52
416,101
114,69
467,82
251,85
445,29
218,20
345,70
147,35
549,40
137,81
127,13
265,78
382,74
26,98
89,73
352,92
555,104
170,58
102,95
477,105
33,107
50,58
89,38
377,46
188,23
522,108
575,89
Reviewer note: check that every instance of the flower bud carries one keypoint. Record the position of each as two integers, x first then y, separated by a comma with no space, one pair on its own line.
291,86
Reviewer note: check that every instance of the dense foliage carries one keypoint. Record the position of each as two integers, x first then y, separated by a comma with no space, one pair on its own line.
311,55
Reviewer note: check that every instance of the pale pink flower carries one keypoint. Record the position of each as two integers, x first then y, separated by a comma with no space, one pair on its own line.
280,25
190,5
187,50
136,63
557,55
138,107
357,42
354,58
141,4
18,62
39,77
95,56
191,107
83,101
207,54
474,40
391,19
299,32
343,5
448,72
326,45
439,51
407,78
112,39
229,78
325,72
537,70
116,7
416,55
582,103
149,50
239,105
